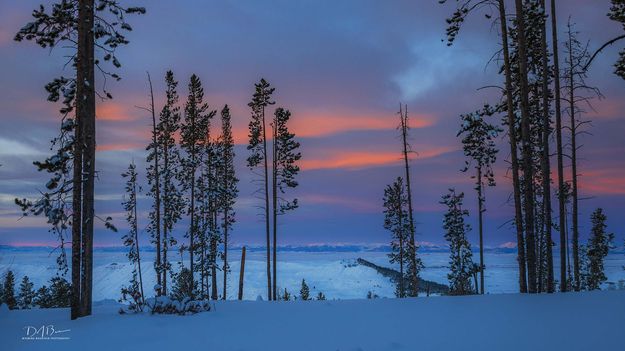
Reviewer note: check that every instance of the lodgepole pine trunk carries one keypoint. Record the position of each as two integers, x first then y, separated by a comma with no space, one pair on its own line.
275,205
574,190
561,200
165,215
225,252
242,273
528,173
213,249
85,107
267,228
76,213
545,162
480,210
518,218
157,195
413,259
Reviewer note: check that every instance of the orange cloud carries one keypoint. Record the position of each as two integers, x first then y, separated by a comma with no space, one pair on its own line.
111,111
610,182
312,124
359,160
119,147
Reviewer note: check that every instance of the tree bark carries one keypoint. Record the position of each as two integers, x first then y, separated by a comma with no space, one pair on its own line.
267,229
136,229
225,248
86,109
275,205
518,219
561,200
242,273
413,252
157,194
575,210
545,162
528,178
165,215
480,206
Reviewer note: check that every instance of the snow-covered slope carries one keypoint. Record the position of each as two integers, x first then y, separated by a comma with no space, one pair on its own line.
573,321
334,273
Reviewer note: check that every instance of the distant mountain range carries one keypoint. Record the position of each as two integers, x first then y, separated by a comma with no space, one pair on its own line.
286,248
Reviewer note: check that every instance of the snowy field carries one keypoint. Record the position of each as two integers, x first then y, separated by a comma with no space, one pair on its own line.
572,321
333,273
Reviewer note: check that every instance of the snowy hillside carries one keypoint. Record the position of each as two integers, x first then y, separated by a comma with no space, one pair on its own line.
491,322
336,274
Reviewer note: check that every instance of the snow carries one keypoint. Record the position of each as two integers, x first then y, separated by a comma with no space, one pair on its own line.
333,273
572,321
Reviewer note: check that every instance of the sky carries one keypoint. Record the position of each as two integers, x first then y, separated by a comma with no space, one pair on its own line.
342,68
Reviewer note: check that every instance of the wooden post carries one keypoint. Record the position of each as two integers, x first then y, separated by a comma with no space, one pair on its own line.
242,273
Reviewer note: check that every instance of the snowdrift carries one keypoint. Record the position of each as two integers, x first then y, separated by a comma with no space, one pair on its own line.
572,321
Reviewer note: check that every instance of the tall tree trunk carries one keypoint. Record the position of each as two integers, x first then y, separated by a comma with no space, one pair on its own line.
575,210
413,252
165,216
225,226
267,229
157,194
86,109
401,249
77,206
275,205
561,202
527,149
545,164
480,210
193,223
242,273
136,230
213,249
518,219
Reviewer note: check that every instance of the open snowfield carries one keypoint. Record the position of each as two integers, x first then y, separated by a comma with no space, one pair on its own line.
334,273
572,321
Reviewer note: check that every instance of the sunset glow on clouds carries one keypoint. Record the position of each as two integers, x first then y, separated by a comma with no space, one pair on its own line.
341,68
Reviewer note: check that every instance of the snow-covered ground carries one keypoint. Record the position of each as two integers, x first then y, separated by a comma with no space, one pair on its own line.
572,321
333,273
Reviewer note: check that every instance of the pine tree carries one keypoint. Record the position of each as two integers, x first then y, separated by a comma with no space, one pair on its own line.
286,296
26,295
460,257
81,25
559,149
193,136
304,291
577,94
479,146
396,221
258,157
414,262
183,285
171,195
599,244
134,291
228,189
321,296
284,171
60,292
154,181
43,298
8,291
